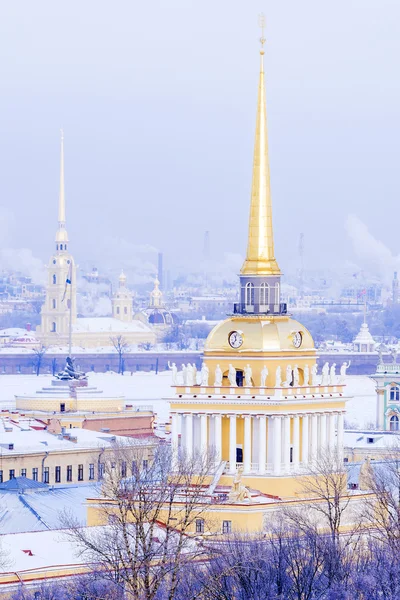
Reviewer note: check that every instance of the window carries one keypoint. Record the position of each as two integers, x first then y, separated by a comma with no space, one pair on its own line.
35,473
46,475
61,246
226,526
134,467
126,310
68,303
54,279
117,310
11,474
1,476
249,298
58,474
91,471
101,470
394,423
69,473
145,465
277,294
264,293
80,472
62,407
123,469
395,393
23,472
53,327
199,525
54,303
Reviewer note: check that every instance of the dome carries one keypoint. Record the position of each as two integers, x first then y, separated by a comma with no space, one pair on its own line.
260,334
157,316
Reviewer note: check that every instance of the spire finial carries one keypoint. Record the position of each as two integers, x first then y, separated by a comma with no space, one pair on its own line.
61,235
260,257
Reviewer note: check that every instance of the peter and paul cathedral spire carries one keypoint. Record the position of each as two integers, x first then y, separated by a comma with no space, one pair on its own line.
260,273
61,235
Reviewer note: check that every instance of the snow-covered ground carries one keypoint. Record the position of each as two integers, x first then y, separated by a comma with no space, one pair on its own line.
151,389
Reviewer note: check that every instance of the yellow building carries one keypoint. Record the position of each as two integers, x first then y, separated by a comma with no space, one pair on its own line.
60,307
260,404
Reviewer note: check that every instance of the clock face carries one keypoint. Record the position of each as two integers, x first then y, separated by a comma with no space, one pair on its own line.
297,339
235,339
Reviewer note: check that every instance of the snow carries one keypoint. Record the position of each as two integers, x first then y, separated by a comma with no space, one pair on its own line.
108,324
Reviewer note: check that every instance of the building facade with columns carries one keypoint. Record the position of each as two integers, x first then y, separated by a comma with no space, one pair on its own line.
258,403
387,378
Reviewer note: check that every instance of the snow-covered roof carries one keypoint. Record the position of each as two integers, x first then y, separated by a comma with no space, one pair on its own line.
371,439
364,336
109,324
16,332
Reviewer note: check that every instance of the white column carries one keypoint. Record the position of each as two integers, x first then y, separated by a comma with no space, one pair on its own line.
322,439
304,440
314,435
189,435
232,443
262,444
331,431
380,417
203,434
218,437
340,429
277,459
247,444
296,441
174,438
286,442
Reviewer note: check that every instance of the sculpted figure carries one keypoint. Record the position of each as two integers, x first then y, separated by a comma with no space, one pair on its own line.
70,372
184,374
306,373
238,491
232,376
296,376
218,376
325,374
288,376
332,374
205,373
314,371
278,377
189,375
343,370
264,375
393,352
248,372
194,374
174,373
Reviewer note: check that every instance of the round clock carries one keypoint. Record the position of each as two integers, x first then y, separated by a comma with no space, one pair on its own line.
297,339
235,339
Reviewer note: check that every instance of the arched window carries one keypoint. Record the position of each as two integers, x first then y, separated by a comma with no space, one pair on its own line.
117,310
395,393
54,303
264,293
249,294
54,279
125,310
394,423
53,327
277,294
61,246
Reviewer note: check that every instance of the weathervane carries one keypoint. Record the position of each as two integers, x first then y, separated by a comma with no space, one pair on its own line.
261,23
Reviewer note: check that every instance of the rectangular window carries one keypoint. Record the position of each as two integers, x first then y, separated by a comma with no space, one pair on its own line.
101,470
1,476
134,467
199,525
35,473
58,474
80,472
12,474
226,526
69,473
23,472
145,465
123,469
46,475
91,471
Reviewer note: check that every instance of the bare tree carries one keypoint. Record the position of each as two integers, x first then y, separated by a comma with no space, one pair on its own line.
39,353
120,344
149,520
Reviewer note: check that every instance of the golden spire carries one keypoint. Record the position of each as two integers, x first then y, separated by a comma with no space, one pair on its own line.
61,235
260,257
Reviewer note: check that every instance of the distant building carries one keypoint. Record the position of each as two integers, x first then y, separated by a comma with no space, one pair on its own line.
364,342
387,377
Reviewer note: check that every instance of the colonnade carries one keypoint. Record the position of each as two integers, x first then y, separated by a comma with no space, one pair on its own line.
273,443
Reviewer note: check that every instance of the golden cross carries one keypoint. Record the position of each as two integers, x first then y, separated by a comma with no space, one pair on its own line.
261,23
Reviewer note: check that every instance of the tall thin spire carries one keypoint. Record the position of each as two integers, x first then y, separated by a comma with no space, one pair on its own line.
61,235
260,257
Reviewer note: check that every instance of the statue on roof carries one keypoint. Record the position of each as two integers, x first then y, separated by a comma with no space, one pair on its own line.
239,492
70,373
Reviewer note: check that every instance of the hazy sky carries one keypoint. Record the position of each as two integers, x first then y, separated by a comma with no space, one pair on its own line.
157,101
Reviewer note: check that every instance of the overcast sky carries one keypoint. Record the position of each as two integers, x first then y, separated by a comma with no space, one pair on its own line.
157,100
